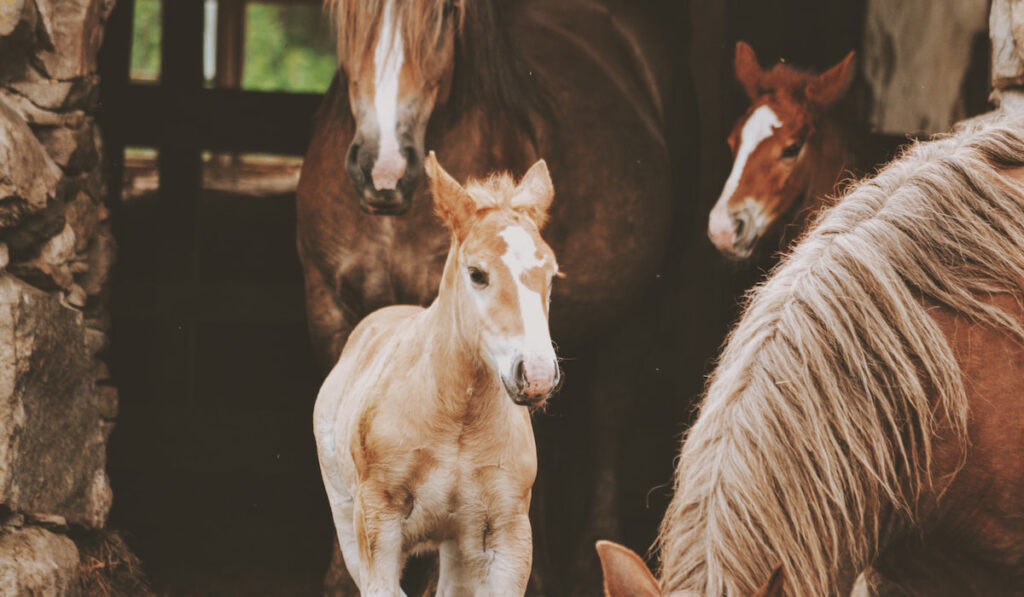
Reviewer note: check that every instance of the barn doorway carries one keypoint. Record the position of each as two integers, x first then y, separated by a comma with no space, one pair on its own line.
212,461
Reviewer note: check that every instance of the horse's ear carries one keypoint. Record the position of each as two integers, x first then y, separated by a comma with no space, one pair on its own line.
451,201
830,85
775,586
625,573
534,193
748,71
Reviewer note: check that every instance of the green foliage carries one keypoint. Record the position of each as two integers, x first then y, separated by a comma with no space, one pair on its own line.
145,58
287,46
286,49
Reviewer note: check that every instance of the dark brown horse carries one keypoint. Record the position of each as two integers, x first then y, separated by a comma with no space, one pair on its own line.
585,92
792,149
583,86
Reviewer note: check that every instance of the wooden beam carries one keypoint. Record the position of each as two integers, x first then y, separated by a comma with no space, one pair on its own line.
218,119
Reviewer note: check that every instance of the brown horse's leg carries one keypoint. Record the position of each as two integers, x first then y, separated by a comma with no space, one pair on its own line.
329,323
337,582
630,393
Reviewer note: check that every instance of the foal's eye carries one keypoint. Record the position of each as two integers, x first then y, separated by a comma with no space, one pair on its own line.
479,277
792,150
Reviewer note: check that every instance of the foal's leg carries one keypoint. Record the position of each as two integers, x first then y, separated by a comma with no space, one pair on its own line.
453,578
500,559
342,509
378,530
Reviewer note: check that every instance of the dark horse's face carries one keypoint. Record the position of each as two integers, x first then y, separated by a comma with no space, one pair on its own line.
397,56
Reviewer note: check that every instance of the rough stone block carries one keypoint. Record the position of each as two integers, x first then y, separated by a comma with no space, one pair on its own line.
42,91
34,561
10,15
75,31
28,177
52,452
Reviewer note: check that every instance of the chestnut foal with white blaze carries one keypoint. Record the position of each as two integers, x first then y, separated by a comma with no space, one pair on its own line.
792,149
423,427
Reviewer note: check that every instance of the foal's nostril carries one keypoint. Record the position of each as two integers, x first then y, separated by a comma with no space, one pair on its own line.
740,224
520,374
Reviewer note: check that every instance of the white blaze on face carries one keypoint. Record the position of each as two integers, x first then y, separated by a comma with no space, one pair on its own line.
537,352
387,58
760,126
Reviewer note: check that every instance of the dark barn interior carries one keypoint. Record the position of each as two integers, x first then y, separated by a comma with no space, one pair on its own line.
212,462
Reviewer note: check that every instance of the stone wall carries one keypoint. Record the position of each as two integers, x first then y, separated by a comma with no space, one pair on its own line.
57,404
916,56
1006,30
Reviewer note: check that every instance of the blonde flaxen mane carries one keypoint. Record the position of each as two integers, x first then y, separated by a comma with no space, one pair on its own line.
815,438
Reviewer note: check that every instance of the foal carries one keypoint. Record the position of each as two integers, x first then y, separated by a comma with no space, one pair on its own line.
423,427
791,150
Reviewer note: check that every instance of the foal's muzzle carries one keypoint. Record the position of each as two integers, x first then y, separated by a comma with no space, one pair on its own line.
530,392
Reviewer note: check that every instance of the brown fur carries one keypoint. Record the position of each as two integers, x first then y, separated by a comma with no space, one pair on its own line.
789,191
866,410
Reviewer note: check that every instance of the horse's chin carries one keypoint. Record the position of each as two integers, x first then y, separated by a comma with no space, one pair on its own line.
385,203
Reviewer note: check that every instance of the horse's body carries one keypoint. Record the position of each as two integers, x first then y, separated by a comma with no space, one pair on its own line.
599,70
867,409
422,427
793,148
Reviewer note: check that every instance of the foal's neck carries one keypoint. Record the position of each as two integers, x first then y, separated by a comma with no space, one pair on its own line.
465,383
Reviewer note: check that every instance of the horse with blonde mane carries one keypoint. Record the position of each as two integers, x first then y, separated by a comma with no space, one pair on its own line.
422,427
792,149
866,410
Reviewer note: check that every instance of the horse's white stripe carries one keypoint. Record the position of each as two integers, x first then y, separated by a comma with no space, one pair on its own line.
761,125
520,256
388,56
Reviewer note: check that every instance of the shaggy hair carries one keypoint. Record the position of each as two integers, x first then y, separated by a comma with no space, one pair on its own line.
814,441
489,68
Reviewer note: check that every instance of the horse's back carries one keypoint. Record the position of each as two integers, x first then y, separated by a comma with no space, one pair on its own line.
982,509
365,358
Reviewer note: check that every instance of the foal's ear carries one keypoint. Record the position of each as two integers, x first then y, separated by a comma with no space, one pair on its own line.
830,85
775,586
451,201
534,193
625,573
748,71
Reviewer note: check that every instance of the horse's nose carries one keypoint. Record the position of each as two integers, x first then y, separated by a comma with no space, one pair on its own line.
413,167
721,229
535,378
358,164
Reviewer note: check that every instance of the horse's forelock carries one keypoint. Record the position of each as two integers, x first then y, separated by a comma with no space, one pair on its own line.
815,434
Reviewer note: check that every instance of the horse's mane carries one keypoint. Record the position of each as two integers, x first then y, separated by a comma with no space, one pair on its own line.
815,437
488,67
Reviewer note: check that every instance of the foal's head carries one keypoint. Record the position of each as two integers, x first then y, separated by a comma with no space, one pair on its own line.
775,147
500,272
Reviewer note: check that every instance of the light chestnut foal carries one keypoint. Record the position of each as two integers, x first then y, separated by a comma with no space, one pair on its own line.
423,427
626,575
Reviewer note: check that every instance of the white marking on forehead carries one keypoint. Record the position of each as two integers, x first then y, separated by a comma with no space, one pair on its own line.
388,56
520,256
761,125
521,253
